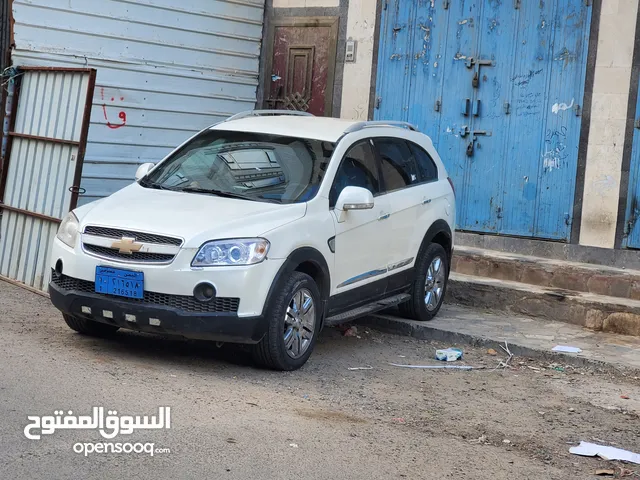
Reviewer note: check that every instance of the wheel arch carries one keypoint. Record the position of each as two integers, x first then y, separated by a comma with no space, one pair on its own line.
306,260
439,232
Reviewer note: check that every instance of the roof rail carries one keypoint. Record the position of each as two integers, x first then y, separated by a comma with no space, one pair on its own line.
380,123
260,113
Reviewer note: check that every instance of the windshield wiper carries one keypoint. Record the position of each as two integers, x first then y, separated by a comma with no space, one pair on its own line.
155,185
222,193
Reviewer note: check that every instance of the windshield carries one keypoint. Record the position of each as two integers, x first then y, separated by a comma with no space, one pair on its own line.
251,166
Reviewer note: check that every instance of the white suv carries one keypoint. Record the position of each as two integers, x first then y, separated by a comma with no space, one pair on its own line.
261,230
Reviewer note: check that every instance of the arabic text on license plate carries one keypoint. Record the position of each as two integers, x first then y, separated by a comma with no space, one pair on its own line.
123,283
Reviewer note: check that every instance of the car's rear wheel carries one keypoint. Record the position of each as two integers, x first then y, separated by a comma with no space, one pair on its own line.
89,327
429,285
294,321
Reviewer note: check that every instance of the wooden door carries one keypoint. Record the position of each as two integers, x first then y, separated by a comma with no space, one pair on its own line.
300,73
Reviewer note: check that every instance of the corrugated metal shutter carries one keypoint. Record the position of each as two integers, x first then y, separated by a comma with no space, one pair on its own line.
166,69
45,157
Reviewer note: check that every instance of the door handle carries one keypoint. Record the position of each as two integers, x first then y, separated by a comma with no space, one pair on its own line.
384,216
426,200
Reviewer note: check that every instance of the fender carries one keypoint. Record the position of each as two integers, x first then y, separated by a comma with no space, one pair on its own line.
439,226
297,257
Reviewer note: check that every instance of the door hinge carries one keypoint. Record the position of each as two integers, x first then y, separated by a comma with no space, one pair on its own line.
437,106
588,3
516,4
386,4
378,102
578,110
567,219
507,108
445,4
636,124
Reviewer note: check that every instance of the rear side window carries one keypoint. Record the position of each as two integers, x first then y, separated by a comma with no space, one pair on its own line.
426,166
358,169
397,162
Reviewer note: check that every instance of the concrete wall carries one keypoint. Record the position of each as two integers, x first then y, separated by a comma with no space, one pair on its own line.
602,186
357,76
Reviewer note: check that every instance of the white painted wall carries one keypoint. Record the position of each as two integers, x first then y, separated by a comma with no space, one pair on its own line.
356,83
166,69
608,121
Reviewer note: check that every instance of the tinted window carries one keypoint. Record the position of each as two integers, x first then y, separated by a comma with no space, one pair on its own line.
253,166
398,165
358,169
426,166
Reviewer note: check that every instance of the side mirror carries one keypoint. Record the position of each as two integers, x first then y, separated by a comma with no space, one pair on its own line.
353,198
143,170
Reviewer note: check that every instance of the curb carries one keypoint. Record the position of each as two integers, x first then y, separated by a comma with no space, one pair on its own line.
422,331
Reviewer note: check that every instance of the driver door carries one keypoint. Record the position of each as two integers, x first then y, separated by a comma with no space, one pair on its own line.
363,238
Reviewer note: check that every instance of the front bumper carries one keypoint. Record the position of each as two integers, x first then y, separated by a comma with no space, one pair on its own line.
250,284
73,297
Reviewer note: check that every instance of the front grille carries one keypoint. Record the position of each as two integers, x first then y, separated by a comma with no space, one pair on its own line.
144,257
139,236
184,303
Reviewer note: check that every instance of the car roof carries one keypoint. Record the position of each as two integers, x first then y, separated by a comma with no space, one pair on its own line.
320,128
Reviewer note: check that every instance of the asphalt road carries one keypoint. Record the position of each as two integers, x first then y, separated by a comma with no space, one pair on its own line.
231,420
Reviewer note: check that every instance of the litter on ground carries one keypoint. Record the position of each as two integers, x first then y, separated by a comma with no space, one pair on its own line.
449,354
587,449
566,349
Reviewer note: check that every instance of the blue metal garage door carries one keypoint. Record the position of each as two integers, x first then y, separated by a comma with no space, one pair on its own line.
632,224
498,85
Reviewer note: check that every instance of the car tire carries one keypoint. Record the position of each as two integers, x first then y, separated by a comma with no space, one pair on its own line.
89,327
429,285
294,324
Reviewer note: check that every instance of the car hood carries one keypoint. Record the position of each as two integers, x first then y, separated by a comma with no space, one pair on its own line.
194,217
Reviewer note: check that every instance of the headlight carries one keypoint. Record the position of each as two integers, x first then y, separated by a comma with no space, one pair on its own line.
68,230
240,251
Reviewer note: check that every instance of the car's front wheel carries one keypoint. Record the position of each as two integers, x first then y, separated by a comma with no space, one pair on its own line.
89,327
429,284
294,321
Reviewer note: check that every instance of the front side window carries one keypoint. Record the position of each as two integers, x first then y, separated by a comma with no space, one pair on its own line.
398,164
357,169
251,166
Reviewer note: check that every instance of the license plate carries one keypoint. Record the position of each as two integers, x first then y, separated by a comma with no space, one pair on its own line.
123,283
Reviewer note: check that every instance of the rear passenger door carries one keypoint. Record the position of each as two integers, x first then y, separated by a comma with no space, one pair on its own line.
408,176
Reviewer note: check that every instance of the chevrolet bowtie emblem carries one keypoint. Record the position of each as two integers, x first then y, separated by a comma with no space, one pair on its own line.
127,245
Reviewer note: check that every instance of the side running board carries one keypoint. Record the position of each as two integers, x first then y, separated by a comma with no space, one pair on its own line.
366,309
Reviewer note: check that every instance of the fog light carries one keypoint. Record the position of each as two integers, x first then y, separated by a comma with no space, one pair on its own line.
154,322
204,292
130,318
86,310
107,314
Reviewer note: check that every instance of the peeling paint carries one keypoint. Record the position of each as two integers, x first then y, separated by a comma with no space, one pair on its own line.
561,107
